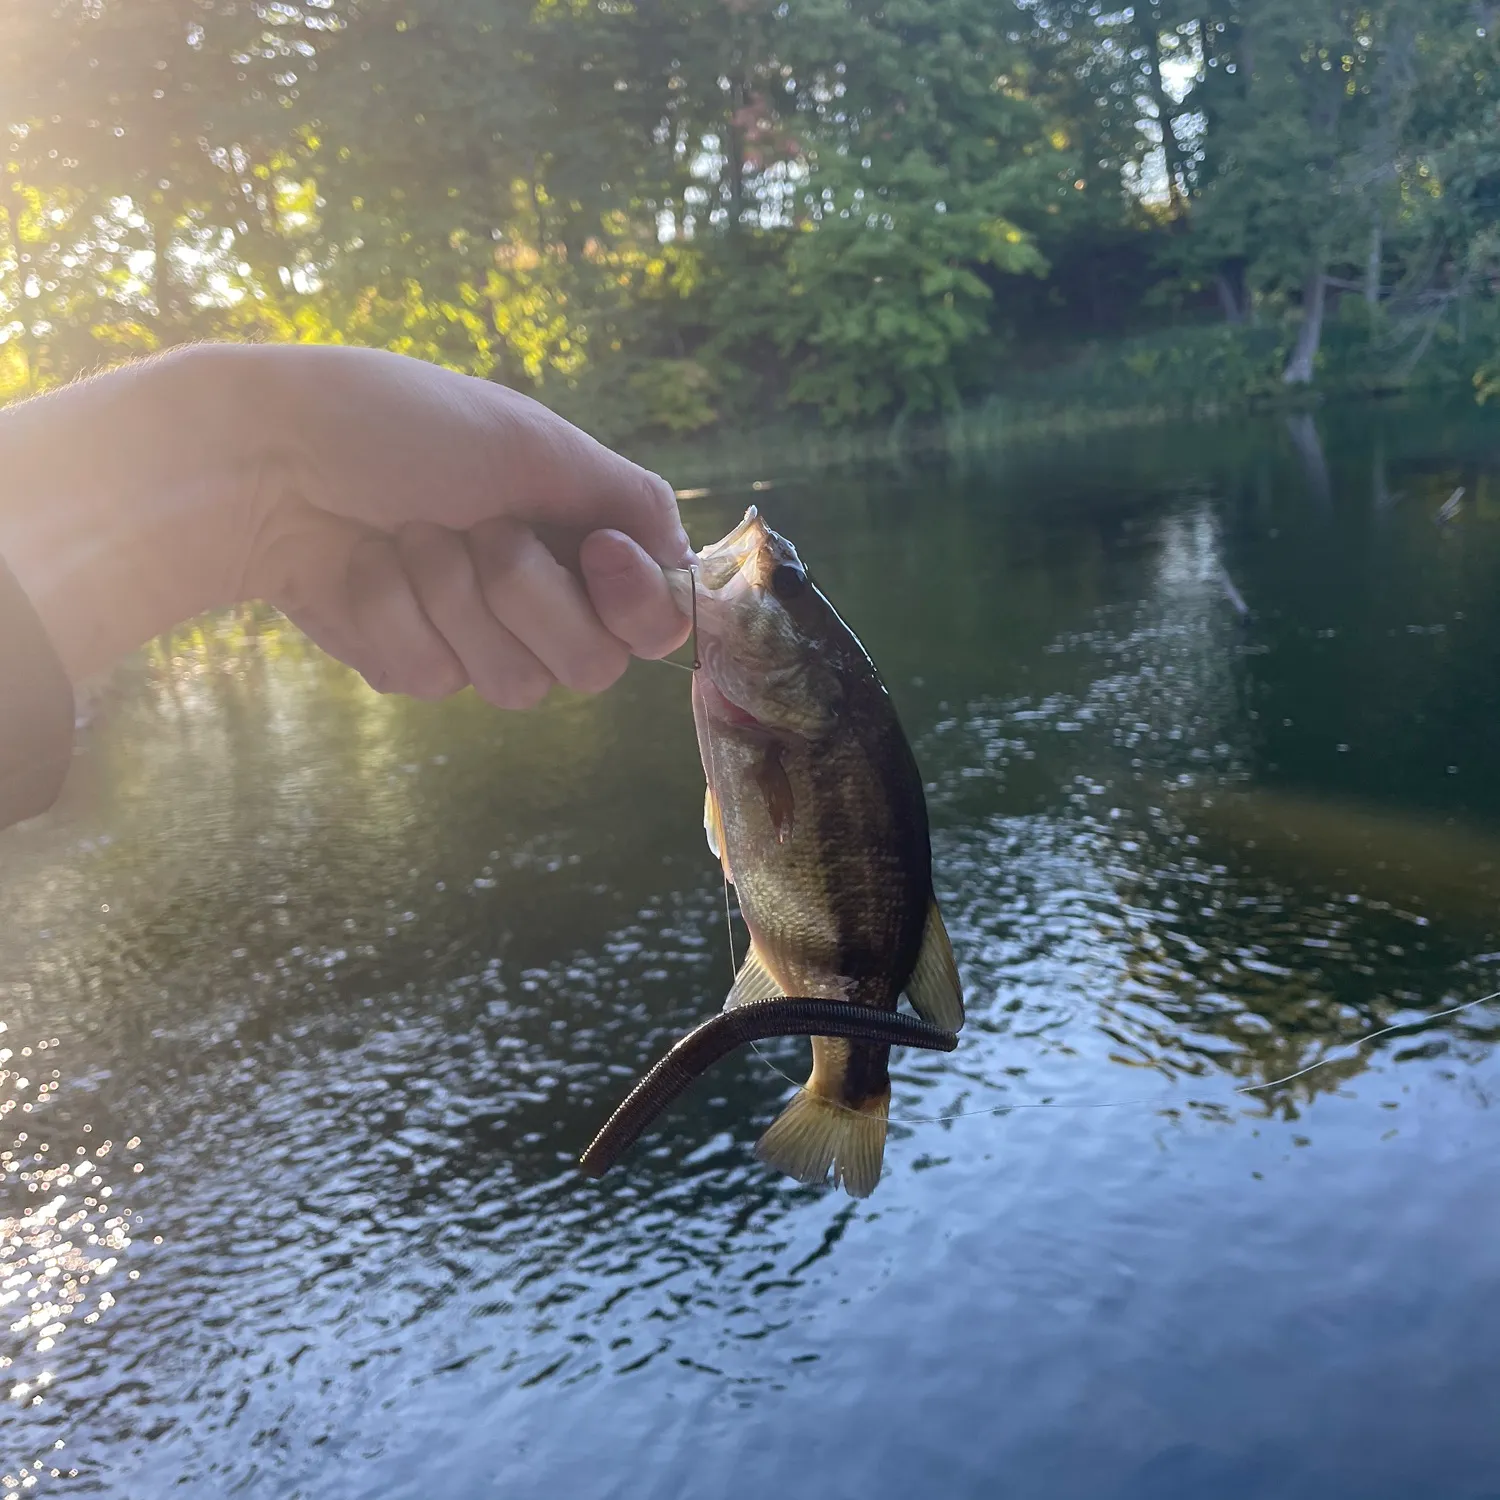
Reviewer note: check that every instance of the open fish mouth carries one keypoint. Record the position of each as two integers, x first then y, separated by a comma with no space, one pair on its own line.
718,563
757,1021
721,560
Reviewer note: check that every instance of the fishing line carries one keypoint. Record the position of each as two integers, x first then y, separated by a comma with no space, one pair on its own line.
734,964
1248,1088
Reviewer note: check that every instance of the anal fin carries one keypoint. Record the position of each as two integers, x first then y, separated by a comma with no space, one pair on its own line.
934,989
753,982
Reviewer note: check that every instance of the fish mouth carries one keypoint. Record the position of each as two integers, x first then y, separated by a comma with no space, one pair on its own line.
718,563
724,593
721,560
701,611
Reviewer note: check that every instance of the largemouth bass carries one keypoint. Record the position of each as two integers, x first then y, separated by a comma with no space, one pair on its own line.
815,809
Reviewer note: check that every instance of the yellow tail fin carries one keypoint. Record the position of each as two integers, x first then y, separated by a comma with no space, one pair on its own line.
813,1136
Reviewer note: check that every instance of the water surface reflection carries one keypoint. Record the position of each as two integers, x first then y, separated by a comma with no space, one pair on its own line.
345,984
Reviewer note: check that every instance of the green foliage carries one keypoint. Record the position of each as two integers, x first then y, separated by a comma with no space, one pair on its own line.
687,216
882,303
1185,369
675,394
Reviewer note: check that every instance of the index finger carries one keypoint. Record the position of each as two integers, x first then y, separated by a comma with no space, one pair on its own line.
552,472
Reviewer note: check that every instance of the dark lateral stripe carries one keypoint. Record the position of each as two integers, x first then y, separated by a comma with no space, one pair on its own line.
720,1035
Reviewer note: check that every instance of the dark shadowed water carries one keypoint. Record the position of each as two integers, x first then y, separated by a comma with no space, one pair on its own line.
312,997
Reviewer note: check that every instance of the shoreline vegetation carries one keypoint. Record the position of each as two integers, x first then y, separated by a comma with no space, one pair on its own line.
1182,375
705,463
840,226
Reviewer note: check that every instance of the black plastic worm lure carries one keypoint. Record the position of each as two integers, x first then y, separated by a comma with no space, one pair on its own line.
722,1034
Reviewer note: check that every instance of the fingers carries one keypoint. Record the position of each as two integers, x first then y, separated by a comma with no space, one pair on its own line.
301,565
441,569
518,621
406,651
429,610
630,595
545,607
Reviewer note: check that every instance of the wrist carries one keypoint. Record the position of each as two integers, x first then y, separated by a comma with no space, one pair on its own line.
123,499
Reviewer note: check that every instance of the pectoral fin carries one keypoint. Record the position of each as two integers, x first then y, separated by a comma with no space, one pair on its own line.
776,788
753,982
934,988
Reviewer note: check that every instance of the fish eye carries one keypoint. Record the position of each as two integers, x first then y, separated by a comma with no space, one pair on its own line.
787,581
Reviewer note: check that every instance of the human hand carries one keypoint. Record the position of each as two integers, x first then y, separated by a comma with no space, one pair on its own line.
395,511
418,525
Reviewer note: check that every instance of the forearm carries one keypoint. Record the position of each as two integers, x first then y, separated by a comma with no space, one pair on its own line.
113,498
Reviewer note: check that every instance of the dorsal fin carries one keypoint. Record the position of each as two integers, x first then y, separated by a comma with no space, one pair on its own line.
753,982
934,988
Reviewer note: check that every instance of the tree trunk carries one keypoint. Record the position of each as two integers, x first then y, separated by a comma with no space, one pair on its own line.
734,158
1170,150
1299,368
1234,293
1227,301
1372,264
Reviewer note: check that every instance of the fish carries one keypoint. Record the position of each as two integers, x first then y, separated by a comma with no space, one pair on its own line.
816,811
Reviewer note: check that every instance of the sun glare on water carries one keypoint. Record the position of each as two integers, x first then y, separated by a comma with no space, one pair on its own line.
63,1232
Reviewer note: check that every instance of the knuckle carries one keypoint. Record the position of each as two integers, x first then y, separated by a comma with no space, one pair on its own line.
502,553
371,571
658,507
424,675
420,535
436,557
446,577
518,685
658,497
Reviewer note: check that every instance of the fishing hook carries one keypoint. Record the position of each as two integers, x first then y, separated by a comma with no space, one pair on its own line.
682,666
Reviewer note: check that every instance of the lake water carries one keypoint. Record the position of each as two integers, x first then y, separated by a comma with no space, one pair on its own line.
312,997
